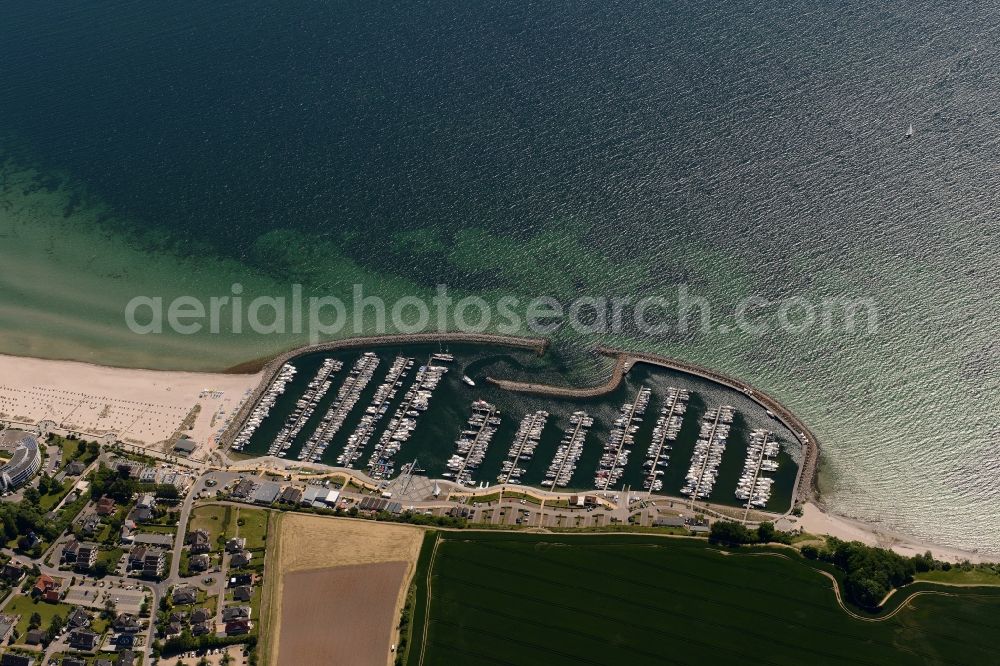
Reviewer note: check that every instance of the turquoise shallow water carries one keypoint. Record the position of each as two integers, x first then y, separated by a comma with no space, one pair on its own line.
596,148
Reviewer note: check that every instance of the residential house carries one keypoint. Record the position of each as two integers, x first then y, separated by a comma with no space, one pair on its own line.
85,640
183,596
136,557
106,506
86,556
240,559
235,544
126,623
69,550
90,524
126,641
237,627
44,584
235,613
242,593
78,618
75,468
127,535
72,661
153,564
199,540
199,562
35,636
11,659
103,662
11,573
7,624
140,515
240,579
174,628
200,629
200,615
125,658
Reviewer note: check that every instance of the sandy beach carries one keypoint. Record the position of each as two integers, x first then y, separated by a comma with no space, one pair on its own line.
816,520
142,407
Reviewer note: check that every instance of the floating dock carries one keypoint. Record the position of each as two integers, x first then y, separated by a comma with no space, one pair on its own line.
304,407
523,448
668,426
708,452
263,406
617,448
762,456
568,454
347,397
404,421
472,443
384,394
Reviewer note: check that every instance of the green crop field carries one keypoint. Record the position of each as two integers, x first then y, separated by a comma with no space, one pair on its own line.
509,598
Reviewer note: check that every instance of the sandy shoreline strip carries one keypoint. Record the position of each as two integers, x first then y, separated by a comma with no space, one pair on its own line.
143,407
817,520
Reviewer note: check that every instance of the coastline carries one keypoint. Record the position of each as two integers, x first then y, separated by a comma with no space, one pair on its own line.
164,397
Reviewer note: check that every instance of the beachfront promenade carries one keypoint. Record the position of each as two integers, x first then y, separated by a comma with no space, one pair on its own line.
803,489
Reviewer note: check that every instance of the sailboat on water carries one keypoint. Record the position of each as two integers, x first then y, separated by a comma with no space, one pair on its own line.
909,131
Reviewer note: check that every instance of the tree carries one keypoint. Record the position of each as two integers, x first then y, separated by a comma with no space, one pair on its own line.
101,569
32,496
93,448
34,621
730,533
55,626
765,532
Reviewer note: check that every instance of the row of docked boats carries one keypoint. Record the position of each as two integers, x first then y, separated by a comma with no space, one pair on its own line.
665,432
521,451
264,405
622,437
762,456
384,394
304,407
563,464
708,450
472,443
381,464
347,397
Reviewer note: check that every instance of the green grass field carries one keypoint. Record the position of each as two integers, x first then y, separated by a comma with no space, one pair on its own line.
25,606
508,598
958,577
217,519
254,527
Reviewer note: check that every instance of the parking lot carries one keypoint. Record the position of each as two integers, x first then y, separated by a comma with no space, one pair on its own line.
95,595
